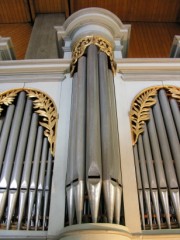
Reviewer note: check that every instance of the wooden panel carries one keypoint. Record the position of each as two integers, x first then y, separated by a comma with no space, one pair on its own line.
14,11
152,40
49,6
20,35
135,10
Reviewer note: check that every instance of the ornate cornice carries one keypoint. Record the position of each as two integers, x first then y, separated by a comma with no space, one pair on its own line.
80,47
43,105
140,107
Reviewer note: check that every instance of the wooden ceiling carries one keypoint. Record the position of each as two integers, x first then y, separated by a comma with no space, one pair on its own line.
154,22
21,11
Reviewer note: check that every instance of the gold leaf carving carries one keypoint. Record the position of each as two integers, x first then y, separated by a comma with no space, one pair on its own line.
174,92
80,47
7,98
140,111
44,106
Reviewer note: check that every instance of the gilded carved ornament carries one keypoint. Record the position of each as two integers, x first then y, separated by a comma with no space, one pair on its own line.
140,107
80,47
43,105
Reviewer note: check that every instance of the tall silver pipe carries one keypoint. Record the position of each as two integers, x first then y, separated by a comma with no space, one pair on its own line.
110,142
159,169
34,174
72,151
176,114
5,132
139,184
174,146
145,180
108,161
151,174
164,146
47,188
79,166
116,150
171,130
18,161
41,179
116,147
11,149
93,141
27,167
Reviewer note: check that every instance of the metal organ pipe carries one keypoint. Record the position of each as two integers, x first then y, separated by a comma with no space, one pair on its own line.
24,181
76,159
109,144
145,180
160,143
79,166
5,132
151,174
116,149
71,153
18,161
40,185
139,183
93,139
94,152
10,151
174,147
47,188
176,115
34,175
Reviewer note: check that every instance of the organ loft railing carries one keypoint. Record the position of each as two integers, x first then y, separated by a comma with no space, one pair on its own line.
27,143
93,183
155,122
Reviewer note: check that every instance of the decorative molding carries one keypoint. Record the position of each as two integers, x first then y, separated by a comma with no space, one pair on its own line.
80,47
43,105
94,22
34,70
141,105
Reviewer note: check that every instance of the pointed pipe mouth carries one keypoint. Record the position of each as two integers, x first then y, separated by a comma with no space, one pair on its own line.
94,180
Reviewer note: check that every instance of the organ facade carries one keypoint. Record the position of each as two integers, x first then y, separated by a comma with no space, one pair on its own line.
89,142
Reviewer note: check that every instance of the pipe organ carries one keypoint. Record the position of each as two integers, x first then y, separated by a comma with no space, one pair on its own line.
67,166
93,183
155,119
26,160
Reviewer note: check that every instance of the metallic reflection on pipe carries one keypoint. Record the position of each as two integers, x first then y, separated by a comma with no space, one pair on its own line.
34,176
18,162
79,165
139,184
176,114
71,152
159,169
24,186
93,142
5,132
110,147
151,174
10,151
40,185
47,189
145,180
